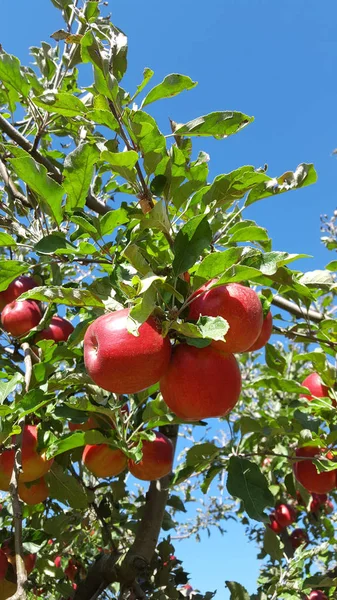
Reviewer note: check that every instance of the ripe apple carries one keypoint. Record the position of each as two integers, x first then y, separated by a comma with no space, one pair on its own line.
317,388
285,515
7,589
307,474
298,537
34,465
35,493
275,525
3,564
266,331
19,317
59,330
120,362
71,570
201,383
104,461
15,289
29,560
57,562
317,595
156,461
236,303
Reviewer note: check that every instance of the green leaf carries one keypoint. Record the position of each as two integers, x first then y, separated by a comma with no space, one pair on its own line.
6,388
217,124
232,186
157,218
37,178
9,270
150,140
317,278
192,239
113,219
216,263
176,503
55,243
6,239
170,86
122,163
271,544
200,455
63,295
147,75
245,481
305,174
65,488
332,266
213,328
238,592
75,440
78,173
62,103
103,117
277,384
248,231
10,73
275,360
136,259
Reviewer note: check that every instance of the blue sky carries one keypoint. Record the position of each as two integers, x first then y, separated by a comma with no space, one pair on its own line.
274,60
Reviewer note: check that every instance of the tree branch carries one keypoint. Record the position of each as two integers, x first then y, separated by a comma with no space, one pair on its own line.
297,311
54,171
108,569
11,186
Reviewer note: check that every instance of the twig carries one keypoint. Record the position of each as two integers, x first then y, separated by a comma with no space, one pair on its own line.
292,308
11,186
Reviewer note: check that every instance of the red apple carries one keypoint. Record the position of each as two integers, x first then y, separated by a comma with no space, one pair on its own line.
298,537
274,525
29,560
15,289
35,493
266,331
317,595
328,507
307,474
104,461
236,303
3,564
18,318
57,562
201,383
157,459
71,570
90,423
317,388
58,330
315,505
120,362
285,515
34,465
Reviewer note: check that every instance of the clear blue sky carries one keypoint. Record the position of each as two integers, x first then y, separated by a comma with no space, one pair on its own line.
275,60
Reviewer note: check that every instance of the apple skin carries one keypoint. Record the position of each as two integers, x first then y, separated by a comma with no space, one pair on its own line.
317,388
35,493
157,459
285,515
3,564
266,331
201,383
298,537
59,330
120,362
306,473
104,461
71,570
274,525
57,562
29,560
236,303
7,589
15,289
19,317
34,465
317,595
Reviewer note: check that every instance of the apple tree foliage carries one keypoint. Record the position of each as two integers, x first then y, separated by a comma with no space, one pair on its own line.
105,210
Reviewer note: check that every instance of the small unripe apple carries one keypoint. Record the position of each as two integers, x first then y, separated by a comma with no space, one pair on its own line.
201,383
104,461
15,289
34,493
266,331
285,515
157,459
275,525
314,383
236,303
120,362
19,317
298,537
307,474
3,564
59,330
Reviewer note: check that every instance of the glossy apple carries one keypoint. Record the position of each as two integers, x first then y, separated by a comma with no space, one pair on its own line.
15,289
19,317
201,383
157,459
274,525
3,564
298,537
266,331
307,474
104,461
34,493
120,362
34,465
317,595
317,388
285,515
59,330
29,560
71,569
57,562
236,303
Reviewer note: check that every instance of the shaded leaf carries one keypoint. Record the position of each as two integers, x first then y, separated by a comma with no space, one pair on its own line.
245,481
62,103
192,239
78,173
